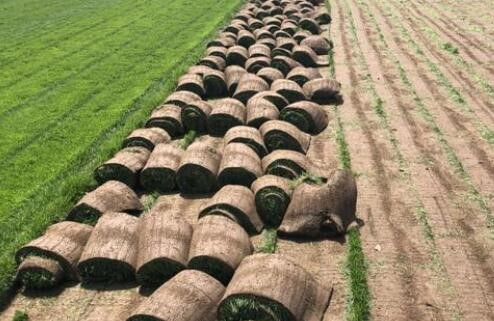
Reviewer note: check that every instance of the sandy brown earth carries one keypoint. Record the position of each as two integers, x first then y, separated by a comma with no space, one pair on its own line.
419,122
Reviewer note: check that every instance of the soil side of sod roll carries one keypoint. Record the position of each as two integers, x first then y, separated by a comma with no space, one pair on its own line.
214,83
147,137
279,134
260,110
309,117
249,136
286,163
226,114
249,85
323,91
192,83
194,116
159,174
288,89
168,118
240,165
272,197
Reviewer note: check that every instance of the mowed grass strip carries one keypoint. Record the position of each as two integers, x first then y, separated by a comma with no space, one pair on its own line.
47,176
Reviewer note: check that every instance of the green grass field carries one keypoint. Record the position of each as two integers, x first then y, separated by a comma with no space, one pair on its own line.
75,78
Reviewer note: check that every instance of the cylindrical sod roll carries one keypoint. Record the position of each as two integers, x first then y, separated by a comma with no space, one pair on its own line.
248,86
249,136
301,75
190,295
236,56
218,246
112,196
111,251
285,163
214,83
168,118
217,51
159,174
195,116
259,50
237,203
279,134
192,83
227,113
270,74
284,64
39,273
181,98
240,165
322,91
307,116
318,43
288,89
254,64
164,241
310,25
308,57
232,77
279,101
147,137
198,169
246,38
215,62
272,196
271,287
125,166
260,110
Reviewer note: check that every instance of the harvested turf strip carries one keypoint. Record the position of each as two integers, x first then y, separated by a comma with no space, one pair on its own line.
215,83
248,86
227,113
198,169
288,89
301,75
237,203
218,246
111,251
164,241
271,287
192,83
321,210
189,296
168,118
260,110
124,166
323,91
240,165
63,243
39,273
232,77
194,116
285,163
309,117
279,134
112,196
248,136
147,137
159,174
272,196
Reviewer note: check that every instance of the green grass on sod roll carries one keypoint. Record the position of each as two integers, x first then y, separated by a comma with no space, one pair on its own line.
37,279
285,168
232,213
139,142
271,204
161,180
84,214
236,176
115,172
219,124
258,148
212,266
194,119
91,75
20,316
106,271
171,126
247,307
157,272
299,118
277,139
194,179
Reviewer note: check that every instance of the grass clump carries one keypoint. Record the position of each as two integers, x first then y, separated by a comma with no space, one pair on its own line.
270,240
20,316
449,47
307,177
252,308
188,139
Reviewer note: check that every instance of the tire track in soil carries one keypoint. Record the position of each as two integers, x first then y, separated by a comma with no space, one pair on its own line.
395,289
480,168
470,293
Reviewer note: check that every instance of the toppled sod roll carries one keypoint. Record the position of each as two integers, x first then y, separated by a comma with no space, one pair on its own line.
322,91
248,136
159,174
248,86
240,165
198,169
147,137
218,246
125,166
286,163
279,101
112,196
237,203
232,76
279,134
214,83
190,295
270,74
228,34
309,117
302,75
237,56
181,98
111,251
270,287
195,116
284,63
322,210
168,118
227,113
288,89
254,64
310,25
164,241
213,62
260,110
318,43
45,261
272,196
192,83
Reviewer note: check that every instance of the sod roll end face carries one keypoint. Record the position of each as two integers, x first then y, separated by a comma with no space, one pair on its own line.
285,163
147,137
159,174
272,196
240,165
248,136
39,273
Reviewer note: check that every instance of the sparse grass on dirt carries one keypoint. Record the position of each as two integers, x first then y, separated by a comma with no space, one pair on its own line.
269,241
20,316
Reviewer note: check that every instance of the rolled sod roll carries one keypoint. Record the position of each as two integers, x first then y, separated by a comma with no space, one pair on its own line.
39,273
147,137
111,251
168,118
284,64
213,62
285,163
248,86
322,210
253,65
181,98
221,42
272,287
279,101
237,203
124,166
217,51
272,196
318,43
190,295
302,75
310,25
214,83
195,116
218,246
112,196
237,56
52,256
164,242
279,134
226,114
261,34
198,169
308,57
285,43
260,110
279,52
289,26
159,174
322,91
270,42
270,74
228,34
288,89
255,24
248,136
198,70
232,77
307,116
240,165
300,35
259,50
271,21
235,26
281,34
192,83
322,17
